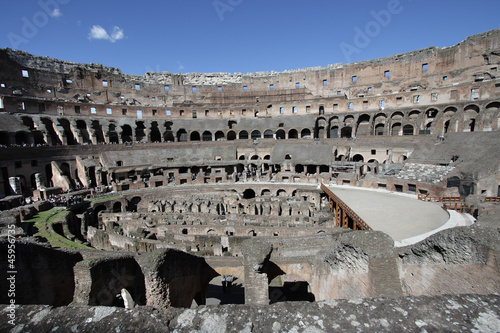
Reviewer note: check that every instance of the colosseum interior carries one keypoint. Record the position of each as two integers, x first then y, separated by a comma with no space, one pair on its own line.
145,191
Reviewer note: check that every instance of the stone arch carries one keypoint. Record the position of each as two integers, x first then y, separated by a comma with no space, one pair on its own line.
408,129
243,135
319,130
140,131
65,124
396,129
248,194
194,136
126,133
155,135
346,132
182,135
207,136
363,125
293,134
81,126
231,135
471,113
305,133
280,134
268,134
219,135
21,138
358,158
256,134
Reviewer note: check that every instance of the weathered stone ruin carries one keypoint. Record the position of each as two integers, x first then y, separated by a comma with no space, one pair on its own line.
129,199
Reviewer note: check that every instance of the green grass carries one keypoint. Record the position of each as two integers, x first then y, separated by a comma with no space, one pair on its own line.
105,198
43,222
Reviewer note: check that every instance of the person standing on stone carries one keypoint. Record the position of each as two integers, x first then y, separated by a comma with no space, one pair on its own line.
224,283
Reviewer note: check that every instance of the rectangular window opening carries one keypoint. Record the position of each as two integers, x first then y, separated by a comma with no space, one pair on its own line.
282,110
193,89
137,86
350,106
195,114
325,82
425,67
354,79
139,114
445,78
387,74
104,83
108,111
245,88
93,110
124,112
294,109
154,112
167,88
168,112
25,73
271,87
77,108
219,88
297,85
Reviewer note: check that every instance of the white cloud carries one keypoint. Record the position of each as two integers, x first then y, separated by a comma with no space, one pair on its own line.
98,32
56,13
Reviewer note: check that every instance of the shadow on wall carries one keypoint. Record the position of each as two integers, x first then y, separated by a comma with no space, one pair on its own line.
162,279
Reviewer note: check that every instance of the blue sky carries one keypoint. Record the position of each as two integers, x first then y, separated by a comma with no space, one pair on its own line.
236,35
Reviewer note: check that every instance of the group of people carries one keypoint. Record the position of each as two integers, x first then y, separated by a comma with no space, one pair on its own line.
65,201
227,282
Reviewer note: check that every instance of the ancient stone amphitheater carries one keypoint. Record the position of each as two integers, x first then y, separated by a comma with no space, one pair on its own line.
350,197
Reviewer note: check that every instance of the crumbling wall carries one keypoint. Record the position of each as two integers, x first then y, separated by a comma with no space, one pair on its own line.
174,278
458,260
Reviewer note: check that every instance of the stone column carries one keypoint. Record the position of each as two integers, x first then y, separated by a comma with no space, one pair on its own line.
256,255
15,185
40,181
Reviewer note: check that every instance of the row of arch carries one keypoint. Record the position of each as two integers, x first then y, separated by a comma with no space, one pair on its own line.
57,130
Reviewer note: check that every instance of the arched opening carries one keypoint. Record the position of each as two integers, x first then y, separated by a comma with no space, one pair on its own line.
194,136
81,125
280,134
268,134
51,133
182,135
265,192
140,133
126,133
132,204
293,134
117,207
363,125
299,168
305,133
255,157
408,130
243,135
413,115
358,158
248,194
324,168
470,114
70,138
207,136
256,135
155,132
346,132
219,135
21,138
281,193
396,128
231,135
97,131
379,129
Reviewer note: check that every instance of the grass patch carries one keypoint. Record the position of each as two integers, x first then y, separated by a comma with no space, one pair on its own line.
105,198
43,223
